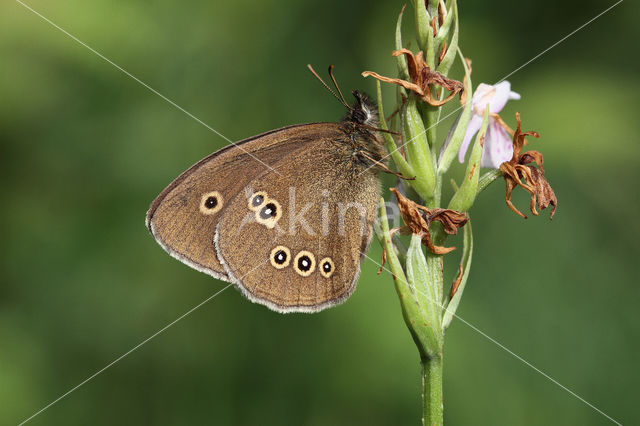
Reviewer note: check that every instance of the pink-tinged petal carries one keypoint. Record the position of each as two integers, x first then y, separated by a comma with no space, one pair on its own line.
498,146
474,125
513,96
496,96
482,96
501,96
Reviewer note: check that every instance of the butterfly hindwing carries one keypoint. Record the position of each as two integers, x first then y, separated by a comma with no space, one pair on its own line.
293,240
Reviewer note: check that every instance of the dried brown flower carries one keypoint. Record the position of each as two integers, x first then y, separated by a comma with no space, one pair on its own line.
417,219
519,172
422,77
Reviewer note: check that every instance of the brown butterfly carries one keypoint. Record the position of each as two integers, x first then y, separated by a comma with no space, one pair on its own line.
286,215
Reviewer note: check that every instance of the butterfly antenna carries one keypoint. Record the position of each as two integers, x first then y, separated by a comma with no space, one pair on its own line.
339,98
335,83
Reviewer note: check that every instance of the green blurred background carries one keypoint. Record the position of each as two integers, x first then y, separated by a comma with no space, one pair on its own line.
85,149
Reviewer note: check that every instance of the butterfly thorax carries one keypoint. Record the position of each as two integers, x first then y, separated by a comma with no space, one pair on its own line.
360,124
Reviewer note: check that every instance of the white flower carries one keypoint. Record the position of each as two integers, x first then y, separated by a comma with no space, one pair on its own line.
498,144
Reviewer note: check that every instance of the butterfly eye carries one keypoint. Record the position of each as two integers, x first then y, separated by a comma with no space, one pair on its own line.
211,203
280,257
257,200
326,267
269,214
304,263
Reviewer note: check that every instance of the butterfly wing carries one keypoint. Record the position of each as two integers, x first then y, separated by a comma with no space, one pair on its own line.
294,241
183,218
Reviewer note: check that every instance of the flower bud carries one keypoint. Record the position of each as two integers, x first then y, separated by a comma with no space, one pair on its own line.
464,197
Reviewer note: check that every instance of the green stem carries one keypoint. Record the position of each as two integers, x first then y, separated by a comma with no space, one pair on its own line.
432,407
432,404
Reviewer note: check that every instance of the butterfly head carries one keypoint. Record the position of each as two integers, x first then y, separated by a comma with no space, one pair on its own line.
363,111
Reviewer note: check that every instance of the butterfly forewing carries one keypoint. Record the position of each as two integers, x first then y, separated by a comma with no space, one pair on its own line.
184,216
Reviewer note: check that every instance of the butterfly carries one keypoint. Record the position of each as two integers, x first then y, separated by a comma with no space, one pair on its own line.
286,216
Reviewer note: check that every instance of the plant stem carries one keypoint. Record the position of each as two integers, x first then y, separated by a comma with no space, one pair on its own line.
432,405
420,294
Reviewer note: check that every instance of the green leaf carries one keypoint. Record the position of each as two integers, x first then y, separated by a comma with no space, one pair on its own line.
463,199
452,305
403,69
488,178
423,30
432,46
417,149
443,31
450,56
457,137
419,280
430,116
401,163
